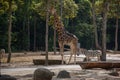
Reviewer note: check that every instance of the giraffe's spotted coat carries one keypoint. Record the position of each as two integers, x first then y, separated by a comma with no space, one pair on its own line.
64,37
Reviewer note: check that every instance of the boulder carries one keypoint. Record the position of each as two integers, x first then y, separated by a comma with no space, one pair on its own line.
7,77
42,74
63,74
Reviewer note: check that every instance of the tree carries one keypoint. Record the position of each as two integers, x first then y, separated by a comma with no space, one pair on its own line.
46,38
102,9
95,25
114,13
35,19
9,30
104,26
26,23
54,41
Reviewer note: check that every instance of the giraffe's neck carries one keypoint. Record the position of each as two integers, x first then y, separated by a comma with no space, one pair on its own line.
59,27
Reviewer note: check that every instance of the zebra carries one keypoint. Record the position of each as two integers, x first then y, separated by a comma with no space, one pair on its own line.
90,53
2,53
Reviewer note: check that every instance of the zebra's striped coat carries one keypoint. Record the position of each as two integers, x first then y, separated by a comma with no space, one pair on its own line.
91,53
2,53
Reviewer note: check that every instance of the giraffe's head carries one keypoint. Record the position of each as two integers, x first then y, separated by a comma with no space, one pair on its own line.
52,10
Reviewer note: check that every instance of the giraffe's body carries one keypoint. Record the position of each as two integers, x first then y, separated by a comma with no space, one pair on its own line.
64,37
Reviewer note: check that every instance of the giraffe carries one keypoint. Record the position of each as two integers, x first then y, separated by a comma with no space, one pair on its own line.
64,37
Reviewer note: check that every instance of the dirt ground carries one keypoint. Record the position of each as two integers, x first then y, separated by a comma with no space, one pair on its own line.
22,67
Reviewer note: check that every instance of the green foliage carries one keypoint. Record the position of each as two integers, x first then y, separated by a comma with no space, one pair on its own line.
114,10
76,16
84,10
69,8
3,6
40,8
85,34
3,30
81,25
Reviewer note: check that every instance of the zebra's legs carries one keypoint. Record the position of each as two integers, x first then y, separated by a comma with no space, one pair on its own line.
99,58
87,58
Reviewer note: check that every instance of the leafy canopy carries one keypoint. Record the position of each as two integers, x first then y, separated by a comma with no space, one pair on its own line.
69,8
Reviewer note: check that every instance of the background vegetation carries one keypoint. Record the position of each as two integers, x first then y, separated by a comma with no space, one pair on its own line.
28,23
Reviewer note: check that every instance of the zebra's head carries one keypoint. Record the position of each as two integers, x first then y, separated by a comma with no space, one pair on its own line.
80,51
2,51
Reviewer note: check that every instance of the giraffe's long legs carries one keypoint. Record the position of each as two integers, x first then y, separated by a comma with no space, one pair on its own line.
62,54
74,58
73,52
62,51
70,58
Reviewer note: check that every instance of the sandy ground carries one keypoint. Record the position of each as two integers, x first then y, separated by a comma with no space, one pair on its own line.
22,67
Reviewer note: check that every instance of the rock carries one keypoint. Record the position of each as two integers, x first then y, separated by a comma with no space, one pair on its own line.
113,78
7,77
42,74
63,74
90,79
114,73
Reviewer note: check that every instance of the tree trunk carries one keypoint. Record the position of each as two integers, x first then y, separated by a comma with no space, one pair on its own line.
54,41
34,47
9,31
95,25
28,30
24,34
104,26
46,38
116,34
